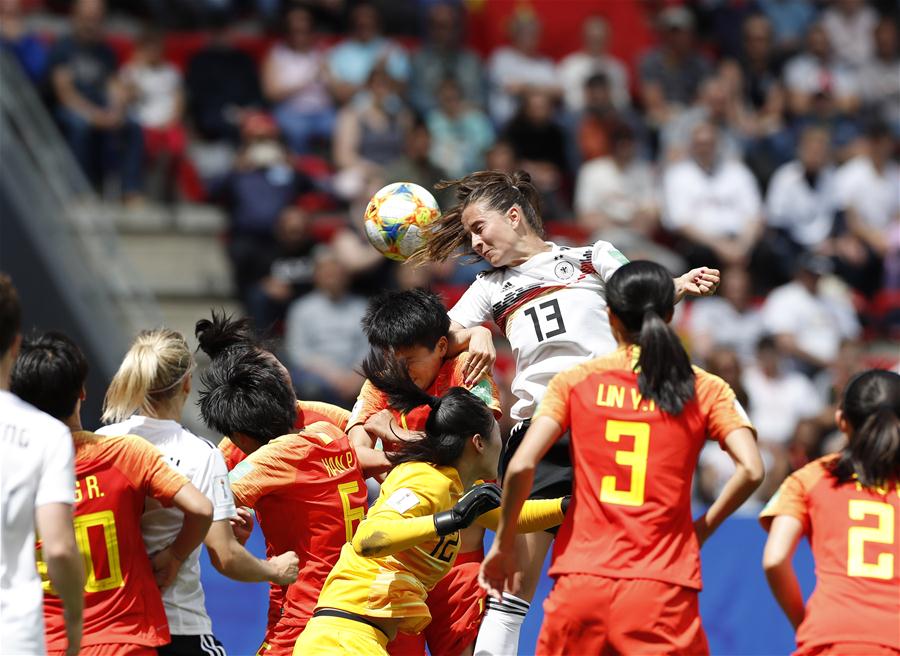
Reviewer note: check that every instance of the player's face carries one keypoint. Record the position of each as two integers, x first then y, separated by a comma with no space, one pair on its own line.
490,456
492,234
422,363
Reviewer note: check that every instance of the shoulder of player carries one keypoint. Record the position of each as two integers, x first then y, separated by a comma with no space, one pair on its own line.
615,361
708,383
814,472
25,415
113,446
423,478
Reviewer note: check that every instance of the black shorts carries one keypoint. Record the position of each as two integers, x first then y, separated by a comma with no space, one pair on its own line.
553,474
193,645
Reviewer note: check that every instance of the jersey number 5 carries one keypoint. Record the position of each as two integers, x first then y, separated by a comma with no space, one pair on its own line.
636,459
555,316
858,536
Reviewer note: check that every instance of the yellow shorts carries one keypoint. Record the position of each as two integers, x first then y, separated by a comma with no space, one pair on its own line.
327,636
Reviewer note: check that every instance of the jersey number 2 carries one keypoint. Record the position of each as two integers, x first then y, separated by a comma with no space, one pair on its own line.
636,459
558,327
858,536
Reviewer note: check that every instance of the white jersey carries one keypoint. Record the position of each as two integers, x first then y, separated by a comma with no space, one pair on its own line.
552,310
37,468
204,465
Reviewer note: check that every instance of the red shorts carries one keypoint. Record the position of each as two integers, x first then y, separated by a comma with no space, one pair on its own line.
456,604
110,649
587,614
279,640
848,649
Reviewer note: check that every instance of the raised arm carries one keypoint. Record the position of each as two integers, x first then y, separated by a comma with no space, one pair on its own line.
479,342
234,561
696,282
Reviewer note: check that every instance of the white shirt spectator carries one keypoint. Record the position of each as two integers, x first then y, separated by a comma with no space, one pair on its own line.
806,213
37,468
851,35
719,204
818,323
875,196
511,66
716,319
157,89
808,74
575,69
302,70
777,405
204,465
320,328
616,192
879,83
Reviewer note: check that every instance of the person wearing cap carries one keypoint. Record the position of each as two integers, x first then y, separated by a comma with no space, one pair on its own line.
670,75
807,322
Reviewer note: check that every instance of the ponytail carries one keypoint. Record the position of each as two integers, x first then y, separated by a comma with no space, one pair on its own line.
223,332
871,405
454,417
154,367
640,294
498,191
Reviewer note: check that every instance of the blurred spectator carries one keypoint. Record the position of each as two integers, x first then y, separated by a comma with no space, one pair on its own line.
416,164
759,65
807,323
790,20
880,78
671,74
779,400
352,61
714,105
519,67
155,89
817,72
92,104
295,81
575,69
801,201
712,204
540,145
255,192
728,320
850,25
618,190
460,133
868,190
282,273
322,339
442,56
222,85
501,157
591,127
16,39
371,133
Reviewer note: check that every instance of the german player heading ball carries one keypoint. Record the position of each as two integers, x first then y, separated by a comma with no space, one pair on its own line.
396,216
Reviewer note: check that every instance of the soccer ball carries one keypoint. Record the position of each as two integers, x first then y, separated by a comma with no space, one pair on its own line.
395,217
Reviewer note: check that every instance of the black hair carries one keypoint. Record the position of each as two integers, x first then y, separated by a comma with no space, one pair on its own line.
871,405
10,314
454,418
49,374
766,343
598,79
641,294
400,319
244,391
222,332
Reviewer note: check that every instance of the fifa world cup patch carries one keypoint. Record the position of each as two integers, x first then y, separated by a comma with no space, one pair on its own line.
403,500
240,470
482,389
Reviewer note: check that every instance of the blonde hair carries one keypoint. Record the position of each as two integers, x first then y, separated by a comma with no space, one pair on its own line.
156,363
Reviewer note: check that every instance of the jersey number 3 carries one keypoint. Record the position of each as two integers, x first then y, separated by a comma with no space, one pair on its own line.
636,459
858,536
552,320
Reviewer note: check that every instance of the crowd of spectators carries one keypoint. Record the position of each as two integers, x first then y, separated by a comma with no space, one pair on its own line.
758,137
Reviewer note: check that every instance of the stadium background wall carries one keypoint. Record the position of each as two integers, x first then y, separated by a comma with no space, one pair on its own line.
740,615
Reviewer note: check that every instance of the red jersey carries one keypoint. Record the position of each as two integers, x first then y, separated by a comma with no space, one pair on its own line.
633,465
308,412
854,534
309,495
371,400
113,477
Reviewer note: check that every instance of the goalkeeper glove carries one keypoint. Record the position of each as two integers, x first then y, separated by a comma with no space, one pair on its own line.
474,503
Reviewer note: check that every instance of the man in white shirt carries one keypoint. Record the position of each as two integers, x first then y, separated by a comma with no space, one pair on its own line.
712,204
816,72
575,69
37,490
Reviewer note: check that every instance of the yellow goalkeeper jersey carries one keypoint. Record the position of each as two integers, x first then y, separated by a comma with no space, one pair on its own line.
396,586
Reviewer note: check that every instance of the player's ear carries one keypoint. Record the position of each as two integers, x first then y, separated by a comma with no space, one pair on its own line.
514,215
841,421
82,395
478,443
442,345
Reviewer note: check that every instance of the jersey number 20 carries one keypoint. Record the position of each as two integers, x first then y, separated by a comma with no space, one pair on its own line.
103,521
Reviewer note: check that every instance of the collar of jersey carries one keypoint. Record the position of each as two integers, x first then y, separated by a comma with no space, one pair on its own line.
537,260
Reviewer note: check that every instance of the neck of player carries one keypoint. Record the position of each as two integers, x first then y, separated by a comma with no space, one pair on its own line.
527,247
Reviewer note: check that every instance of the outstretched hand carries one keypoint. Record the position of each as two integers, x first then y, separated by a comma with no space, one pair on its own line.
697,282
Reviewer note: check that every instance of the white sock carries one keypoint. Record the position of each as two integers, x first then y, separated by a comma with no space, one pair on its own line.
500,626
